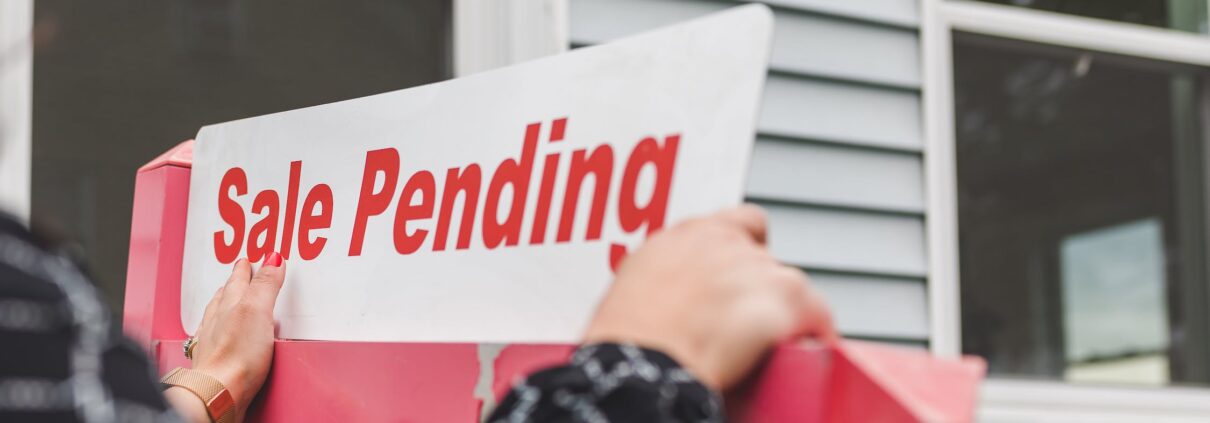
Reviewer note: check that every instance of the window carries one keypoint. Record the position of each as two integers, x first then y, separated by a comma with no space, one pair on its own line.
122,81
1185,15
1081,191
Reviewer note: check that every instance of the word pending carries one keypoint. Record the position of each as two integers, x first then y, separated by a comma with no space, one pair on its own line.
418,201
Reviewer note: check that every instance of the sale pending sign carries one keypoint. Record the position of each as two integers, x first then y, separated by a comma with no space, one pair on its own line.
491,208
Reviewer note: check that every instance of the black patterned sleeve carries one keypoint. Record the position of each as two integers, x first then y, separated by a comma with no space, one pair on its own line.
611,383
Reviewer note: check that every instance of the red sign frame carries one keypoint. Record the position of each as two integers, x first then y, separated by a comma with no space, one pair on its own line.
455,382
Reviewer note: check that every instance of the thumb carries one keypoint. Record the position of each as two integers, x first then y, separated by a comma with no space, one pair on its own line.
268,280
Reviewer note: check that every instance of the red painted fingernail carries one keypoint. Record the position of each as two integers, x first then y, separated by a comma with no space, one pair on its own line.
274,260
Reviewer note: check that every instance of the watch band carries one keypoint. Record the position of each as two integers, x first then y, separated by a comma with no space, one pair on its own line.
219,403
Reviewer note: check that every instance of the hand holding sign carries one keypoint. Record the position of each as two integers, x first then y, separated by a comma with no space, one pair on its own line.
707,293
234,343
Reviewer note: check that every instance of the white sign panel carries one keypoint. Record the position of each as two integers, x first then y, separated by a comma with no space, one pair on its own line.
486,208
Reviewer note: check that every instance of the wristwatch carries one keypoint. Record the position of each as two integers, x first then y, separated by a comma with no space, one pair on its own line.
219,403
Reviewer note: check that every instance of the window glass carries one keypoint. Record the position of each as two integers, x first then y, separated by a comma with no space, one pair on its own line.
119,82
1185,15
1115,324
1082,217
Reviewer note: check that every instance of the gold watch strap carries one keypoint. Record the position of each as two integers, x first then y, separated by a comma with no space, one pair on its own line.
218,401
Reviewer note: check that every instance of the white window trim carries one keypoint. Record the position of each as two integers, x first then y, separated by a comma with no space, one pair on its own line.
494,33
1078,32
1006,400
16,89
1032,401
941,218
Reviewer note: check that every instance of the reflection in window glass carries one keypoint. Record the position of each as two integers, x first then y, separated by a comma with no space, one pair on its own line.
119,82
1115,326
1081,190
1185,15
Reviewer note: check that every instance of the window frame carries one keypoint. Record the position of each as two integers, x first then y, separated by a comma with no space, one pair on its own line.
494,33
16,103
1008,399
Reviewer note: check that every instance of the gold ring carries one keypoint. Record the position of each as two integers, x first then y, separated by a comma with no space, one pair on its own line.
189,345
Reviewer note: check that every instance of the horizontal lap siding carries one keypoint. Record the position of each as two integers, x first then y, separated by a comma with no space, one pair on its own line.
844,240
902,13
840,112
837,160
828,47
803,43
789,170
853,296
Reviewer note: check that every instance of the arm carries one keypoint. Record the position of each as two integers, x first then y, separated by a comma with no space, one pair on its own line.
704,301
615,383
63,344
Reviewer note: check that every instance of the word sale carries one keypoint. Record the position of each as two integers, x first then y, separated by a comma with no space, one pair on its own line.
418,198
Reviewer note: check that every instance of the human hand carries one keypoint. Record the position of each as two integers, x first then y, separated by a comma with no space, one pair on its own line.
235,338
708,293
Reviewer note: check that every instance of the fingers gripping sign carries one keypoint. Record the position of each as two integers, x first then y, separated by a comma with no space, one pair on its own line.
708,293
234,343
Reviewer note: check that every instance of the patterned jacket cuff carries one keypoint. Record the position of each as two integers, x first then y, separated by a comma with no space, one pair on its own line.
609,365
